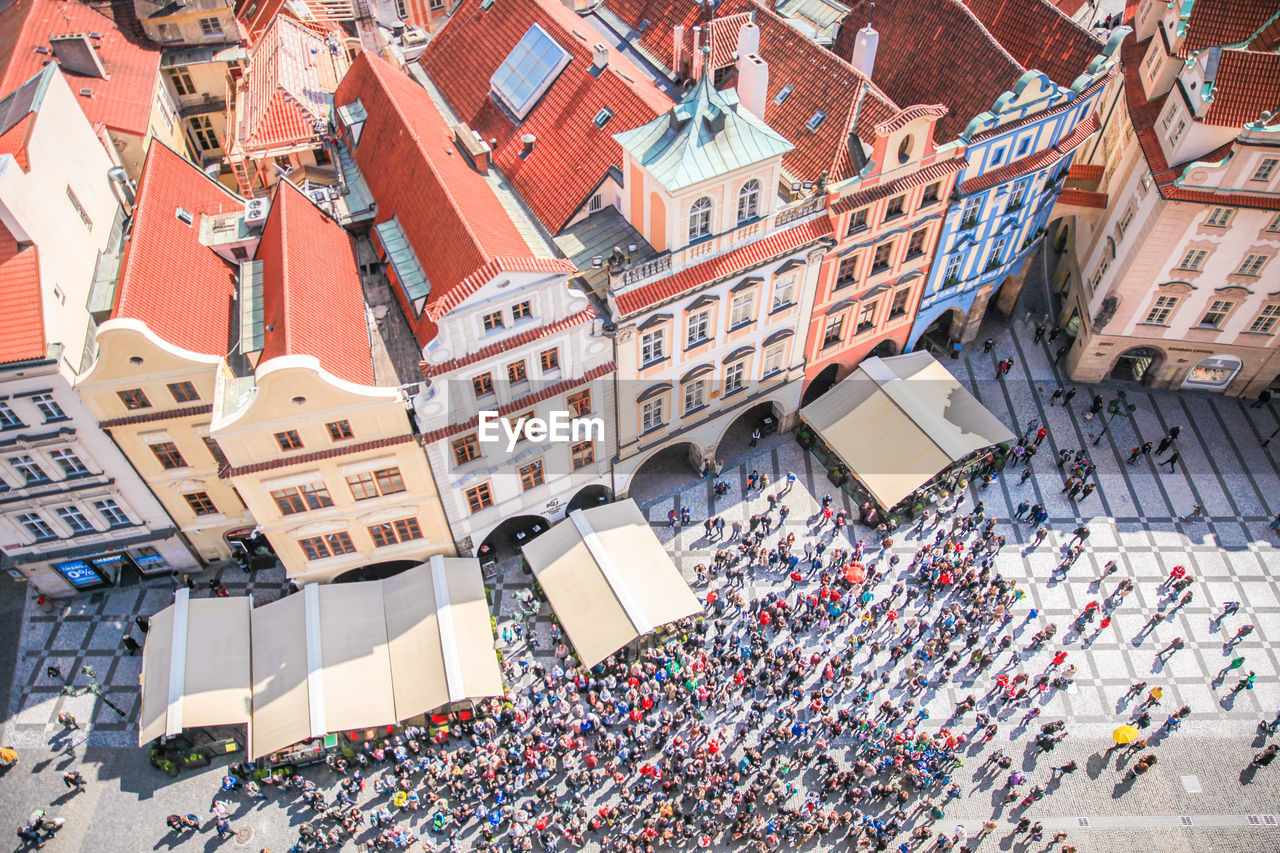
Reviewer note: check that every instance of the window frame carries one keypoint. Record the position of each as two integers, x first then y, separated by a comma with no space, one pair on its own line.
784,284
466,449
8,418
735,377
482,384
479,497
1269,166
582,454
1161,310
653,347
48,408
134,399
532,476
167,452
1215,316
749,201
183,392
289,440
697,320
579,403
493,321
1213,220
37,526
652,415
522,311
70,462
866,320
700,218
74,519
200,503
694,396
517,372
835,321
746,302
1266,320
549,359
1193,260
340,430
1253,264
111,513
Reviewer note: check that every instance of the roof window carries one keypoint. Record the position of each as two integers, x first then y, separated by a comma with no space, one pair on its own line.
783,94
528,72
818,118
185,215
602,117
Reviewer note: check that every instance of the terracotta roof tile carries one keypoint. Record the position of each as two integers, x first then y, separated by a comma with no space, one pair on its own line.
1039,36
722,266
312,298
929,174
161,415
1035,162
22,332
169,280
316,456
1083,198
450,214
14,140
256,15
1069,7
572,154
1086,171
1064,107
1247,84
121,102
1223,22
486,273
525,337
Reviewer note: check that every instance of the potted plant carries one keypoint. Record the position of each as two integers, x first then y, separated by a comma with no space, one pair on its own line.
804,437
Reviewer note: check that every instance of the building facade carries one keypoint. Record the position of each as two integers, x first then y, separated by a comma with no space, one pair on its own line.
1170,286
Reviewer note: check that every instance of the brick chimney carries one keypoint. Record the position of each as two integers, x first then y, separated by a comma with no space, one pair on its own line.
864,51
475,149
753,72
599,58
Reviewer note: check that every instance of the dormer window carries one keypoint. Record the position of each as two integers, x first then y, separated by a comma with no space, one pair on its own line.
700,218
528,71
749,201
816,120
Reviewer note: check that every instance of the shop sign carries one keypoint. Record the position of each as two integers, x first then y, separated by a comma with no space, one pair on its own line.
79,573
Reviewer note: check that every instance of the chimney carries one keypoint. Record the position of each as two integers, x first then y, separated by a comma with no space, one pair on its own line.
695,65
77,55
599,58
475,149
748,39
864,51
526,142
677,48
753,82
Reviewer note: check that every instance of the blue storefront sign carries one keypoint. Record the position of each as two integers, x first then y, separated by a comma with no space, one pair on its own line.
79,573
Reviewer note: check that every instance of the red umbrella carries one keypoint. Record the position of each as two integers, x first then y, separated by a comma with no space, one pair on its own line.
712,596
797,577
891,615
944,578
855,573
765,618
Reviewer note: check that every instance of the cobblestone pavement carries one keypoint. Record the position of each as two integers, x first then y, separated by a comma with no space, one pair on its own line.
1197,798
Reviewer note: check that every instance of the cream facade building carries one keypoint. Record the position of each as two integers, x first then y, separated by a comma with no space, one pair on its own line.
1174,284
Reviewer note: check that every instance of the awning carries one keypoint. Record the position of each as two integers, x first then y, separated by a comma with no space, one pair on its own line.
608,578
195,666
898,422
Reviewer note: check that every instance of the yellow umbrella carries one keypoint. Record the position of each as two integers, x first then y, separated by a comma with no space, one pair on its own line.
1125,734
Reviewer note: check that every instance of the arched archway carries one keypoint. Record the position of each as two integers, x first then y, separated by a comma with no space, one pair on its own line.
1137,365
589,496
939,335
820,384
506,539
376,571
667,470
736,438
884,349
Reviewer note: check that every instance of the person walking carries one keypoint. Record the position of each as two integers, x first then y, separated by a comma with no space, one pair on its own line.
988,345
1197,513
1068,397
1134,455
1087,490
73,779
67,721
143,623
1172,462
1235,663
1039,335
1022,510
1080,534
1056,396
1264,397
1163,445
1095,407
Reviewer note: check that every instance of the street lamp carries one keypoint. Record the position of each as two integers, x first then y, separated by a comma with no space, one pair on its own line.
96,689
1118,405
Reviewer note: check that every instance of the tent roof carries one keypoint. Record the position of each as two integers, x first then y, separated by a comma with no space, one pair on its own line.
897,422
608,578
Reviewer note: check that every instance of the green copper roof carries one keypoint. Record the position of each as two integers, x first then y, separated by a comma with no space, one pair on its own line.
708,134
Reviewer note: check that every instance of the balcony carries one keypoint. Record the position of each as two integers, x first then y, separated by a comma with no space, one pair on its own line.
200,104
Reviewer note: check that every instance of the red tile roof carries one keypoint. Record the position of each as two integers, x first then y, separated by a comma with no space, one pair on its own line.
572,154
1083,198
312,299
22,332
722,266
525,337
162,415
819,79
1039,36
1035,162
286,88
1069,7
929,174
121,102
256,15
1086,171
1223,22
1247,84
450,214
169,280
14,140
478,279
315,456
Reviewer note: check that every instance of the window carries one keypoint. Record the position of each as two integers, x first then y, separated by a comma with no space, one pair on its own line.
215,451
1096,278
75,202
601,119
582,454
930,194
1161,309
482,384
74,518
1266,319
370,484
972,210
550,360
297,499
1252,265
111,513
695,395
479,497
1169,116
952,275
847,272
734,376
49,408
167,453
881,259
1024,146
493,321
749,201
915,246
1193,259
134,399
531,476
210,27
1274,225
899,305
740,310
37,526
595,203
1016,196
773,359
516,371
395,532
436,5
69,463
867,316
1123,225
997,252
1177,132
200,503
466,449
700,218
328,545
528,71
1154,56
857,222
8,420
1217,314
521,310
783,94
652,347
997,157
202,132
699,327
834,330
894,208
1220,217
816,120
783,292
1266,169
181,81
651,415
170,32
1146,180
289,440
339,430
579,403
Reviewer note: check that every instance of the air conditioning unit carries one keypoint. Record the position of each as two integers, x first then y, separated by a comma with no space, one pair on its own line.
255,211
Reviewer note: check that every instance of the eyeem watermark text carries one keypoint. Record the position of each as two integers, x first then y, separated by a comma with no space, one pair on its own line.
560,428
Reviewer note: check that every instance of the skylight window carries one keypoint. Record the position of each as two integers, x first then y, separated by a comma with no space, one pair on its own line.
530,69
818,118
783,94
602,117
184,215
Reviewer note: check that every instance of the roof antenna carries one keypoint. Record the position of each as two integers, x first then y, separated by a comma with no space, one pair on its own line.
871,12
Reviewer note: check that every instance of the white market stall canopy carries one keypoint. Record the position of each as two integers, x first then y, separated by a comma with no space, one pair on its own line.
339,657
608,578
898,422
